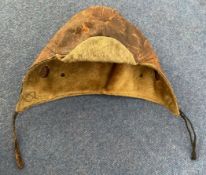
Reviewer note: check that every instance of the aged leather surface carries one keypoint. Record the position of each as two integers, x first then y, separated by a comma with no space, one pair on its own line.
99,21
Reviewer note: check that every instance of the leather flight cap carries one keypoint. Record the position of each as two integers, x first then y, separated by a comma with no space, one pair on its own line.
97,52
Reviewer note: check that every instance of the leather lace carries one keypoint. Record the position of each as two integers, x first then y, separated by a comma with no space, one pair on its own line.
18,157
191,131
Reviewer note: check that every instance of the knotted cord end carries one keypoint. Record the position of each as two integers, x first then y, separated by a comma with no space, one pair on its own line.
193,155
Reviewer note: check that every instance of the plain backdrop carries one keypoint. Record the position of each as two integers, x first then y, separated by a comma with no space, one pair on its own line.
105,135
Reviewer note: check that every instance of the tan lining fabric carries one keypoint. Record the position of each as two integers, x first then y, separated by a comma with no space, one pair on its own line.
96,66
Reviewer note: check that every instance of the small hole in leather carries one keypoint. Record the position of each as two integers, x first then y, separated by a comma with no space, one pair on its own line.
141,75
62,74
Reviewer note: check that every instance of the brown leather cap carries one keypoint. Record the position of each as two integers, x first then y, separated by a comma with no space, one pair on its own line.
42,83
97,52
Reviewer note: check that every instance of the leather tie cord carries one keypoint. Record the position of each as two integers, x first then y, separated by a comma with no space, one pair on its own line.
193,140
18,157
20,162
